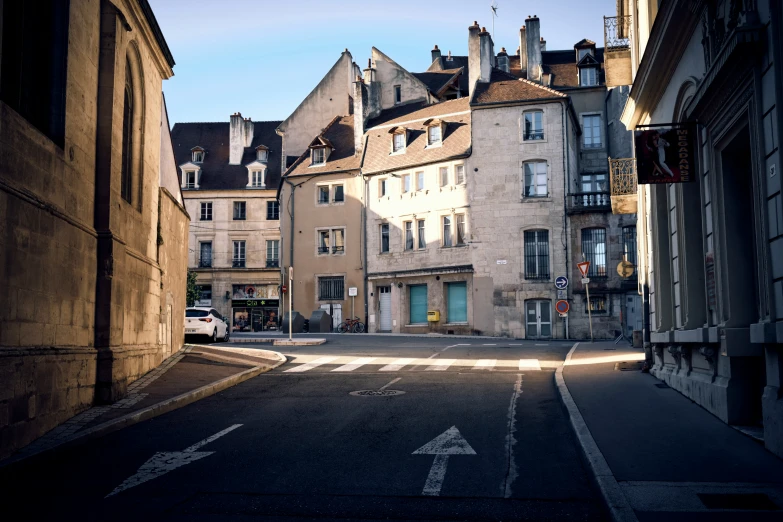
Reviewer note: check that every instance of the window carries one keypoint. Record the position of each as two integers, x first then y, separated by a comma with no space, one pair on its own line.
447,240
535,179
433,135
460,220
406,183
339,241
198,156
262,155
384,238
398,142
422,238
206,211
534,126
397,94
205,254
239,255
457,302
273,253
126,183
419,181
444,176
592,131
408,235
459,174
339,196
598,304
257,178
319,156
594,250
323,241
537,254
331,288
205,295
594,183
418,304
272,210
583,53
190,180
629,245
587,76
240,208
382,187
323,195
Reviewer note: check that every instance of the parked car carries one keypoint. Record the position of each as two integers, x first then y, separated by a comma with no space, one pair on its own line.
208,322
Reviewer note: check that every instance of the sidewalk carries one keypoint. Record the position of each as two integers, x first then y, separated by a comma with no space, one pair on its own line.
656,455
193,373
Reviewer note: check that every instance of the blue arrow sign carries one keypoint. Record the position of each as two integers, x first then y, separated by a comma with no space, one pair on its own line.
561,282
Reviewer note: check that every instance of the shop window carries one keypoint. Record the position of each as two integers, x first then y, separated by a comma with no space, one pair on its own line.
457,302
418,304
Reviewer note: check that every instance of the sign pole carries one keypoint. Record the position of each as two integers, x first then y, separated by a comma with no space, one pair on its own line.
290,303
589,312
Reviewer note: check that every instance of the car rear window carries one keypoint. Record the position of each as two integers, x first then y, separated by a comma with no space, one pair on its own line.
196,313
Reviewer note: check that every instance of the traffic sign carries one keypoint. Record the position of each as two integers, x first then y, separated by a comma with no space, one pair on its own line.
562,307
290,272
625,269
585,280
563,315
562,294
583,266
561,282
284,289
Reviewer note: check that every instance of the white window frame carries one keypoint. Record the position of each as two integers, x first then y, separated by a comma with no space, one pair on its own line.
536,174
447,240
457,169
383,187
275,244
318,157
533,114
405,224
331,243
464,242
403,137
262,155
240,253
388,238
405,183
443,181
421,234
599,128
590,79
257,178
205,206
318,190
198,156
333,191
439,141
186,181
420,180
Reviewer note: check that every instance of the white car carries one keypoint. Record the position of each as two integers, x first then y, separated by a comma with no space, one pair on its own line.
206,321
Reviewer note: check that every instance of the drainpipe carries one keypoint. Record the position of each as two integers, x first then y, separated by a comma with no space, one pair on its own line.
567,172
364,251
291,245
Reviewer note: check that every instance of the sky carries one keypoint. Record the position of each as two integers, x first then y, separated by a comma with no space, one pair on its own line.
263,57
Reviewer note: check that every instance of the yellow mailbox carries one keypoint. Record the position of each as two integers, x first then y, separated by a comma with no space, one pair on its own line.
433,316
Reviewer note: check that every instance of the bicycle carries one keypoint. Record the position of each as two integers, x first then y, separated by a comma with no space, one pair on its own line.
351,325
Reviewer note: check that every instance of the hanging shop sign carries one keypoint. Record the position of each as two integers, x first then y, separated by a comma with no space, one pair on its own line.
665,153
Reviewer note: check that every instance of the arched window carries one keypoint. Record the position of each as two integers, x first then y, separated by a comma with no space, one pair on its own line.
126,183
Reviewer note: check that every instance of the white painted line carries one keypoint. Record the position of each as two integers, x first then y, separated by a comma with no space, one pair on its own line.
529,364
436,476
512,473
389,384
542,344
165,461
356,363
485,364
312,364
619,507
463,345
516,345
440,365
489,345
397,365
450,442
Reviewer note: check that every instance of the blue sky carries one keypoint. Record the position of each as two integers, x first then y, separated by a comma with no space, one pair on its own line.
262,57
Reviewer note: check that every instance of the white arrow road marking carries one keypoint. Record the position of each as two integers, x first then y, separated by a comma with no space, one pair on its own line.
396,365
450,442
356,363
311,364
165,461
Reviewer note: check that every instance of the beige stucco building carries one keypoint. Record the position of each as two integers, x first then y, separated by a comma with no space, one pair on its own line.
87,195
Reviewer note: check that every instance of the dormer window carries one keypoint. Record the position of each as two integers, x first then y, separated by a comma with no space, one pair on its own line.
190,181
197,154
399,142
262,153
318,156
588,76
435,131
257,178
399,139
581,53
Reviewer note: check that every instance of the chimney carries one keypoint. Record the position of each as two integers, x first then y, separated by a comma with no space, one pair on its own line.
248,132
359,108
503,60
238,129
522,49
543,45
474,57
435,54
533,34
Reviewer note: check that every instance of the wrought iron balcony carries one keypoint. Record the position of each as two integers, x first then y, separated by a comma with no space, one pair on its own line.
323,249
622,179
581,202
617,33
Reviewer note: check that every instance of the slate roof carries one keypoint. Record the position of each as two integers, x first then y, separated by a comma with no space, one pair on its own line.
216,173
339,133
505,87
444,64
456,139
436,80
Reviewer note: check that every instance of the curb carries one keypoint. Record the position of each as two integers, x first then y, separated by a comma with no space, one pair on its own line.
157,409
620,509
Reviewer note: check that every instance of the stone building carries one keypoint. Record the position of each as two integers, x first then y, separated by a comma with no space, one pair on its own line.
93,227
229,174
324,231
710,250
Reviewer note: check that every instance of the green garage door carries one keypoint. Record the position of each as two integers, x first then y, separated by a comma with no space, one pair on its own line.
418,304
457,302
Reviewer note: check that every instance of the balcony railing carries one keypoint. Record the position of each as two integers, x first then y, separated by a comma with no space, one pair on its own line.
336,249
622,178
238,263
205,263
323,249
272,263
589,202
617,33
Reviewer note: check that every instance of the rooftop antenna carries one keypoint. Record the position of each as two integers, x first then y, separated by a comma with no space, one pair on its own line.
494,7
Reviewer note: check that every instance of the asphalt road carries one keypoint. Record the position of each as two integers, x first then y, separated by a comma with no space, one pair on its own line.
296,445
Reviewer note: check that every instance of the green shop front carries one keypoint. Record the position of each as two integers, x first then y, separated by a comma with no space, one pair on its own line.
255,315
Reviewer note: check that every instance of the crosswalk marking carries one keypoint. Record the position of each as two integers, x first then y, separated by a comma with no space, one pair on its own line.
356,363
311,364
529,364
440,365
485,364
396,365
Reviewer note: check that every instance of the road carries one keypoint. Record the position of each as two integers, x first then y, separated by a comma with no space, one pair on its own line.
475,435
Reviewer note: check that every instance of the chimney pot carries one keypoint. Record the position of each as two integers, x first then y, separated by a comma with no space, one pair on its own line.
435,48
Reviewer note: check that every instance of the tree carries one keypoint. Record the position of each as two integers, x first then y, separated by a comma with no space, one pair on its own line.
193,292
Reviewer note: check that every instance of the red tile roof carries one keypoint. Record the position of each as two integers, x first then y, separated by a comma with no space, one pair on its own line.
505,87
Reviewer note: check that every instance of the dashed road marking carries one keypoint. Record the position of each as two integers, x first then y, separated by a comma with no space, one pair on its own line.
312,364
397,365
441,365
356,363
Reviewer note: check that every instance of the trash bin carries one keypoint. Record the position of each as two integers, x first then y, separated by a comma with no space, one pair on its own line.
296,324
320,322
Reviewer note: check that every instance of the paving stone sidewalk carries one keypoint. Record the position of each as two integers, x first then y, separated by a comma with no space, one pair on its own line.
671,459
193,372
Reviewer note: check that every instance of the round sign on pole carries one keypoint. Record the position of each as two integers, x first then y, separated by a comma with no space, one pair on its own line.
561,283
625,269
562,307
